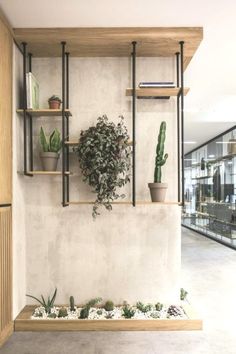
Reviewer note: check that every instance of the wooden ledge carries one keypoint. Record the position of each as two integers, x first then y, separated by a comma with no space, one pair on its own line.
23,322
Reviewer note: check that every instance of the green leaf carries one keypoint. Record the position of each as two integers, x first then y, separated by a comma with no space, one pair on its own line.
43,140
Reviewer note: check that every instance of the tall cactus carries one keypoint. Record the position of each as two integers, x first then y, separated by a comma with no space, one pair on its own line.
160,157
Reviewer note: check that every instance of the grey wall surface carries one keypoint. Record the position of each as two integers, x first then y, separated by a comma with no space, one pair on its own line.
128,254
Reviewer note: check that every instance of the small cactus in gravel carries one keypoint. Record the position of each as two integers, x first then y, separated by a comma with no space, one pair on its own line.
109,306
72,303
183,294
174,311
159,306
84,313
52,315
62,312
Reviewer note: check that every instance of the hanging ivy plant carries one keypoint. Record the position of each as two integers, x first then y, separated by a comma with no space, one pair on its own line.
105,159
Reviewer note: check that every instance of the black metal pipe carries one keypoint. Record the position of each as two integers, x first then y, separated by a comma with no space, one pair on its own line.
67,80
63,44
31,143
67,161
24,45
30,62
133,120
178,125
182,115
5,205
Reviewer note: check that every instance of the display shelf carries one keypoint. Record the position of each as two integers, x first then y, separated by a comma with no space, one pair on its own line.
23,322
45,173
76,141
139,202
44,112
156,92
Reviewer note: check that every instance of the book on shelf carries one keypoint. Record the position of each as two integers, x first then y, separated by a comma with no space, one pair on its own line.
32,91
163,84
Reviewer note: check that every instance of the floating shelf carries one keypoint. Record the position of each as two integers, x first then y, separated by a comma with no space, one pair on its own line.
23,322
46,173
76,141
44,112
202,177
156,92
140,202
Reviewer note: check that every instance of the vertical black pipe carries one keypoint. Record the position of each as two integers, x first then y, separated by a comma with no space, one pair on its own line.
178,126
30,122
67,129
24,45
182,114
63,124
133,120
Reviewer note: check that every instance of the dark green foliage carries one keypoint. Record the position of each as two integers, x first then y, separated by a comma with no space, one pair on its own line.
155,315
72,303
128,312
99,312
143,308
62,312
109,316
159,306
183,294
46,304
104,159
174,311
109,306
53,144
160,157
54,98
84,313
52,315
38,314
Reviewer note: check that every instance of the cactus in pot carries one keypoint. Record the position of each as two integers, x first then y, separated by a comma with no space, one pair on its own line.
158,189
51,146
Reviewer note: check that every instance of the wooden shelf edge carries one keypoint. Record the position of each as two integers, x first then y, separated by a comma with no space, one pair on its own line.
157,92
76,141
45,173
44,112
140,202
23,322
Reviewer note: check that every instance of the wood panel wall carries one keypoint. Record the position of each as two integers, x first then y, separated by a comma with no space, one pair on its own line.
6,46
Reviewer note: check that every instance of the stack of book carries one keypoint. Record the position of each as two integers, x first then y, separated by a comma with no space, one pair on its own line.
32,91
162,84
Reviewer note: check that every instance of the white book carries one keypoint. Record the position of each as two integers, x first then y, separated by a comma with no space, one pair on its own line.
32,91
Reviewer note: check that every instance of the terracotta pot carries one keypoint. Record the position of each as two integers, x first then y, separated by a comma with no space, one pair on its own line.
49,160
158,191
54,104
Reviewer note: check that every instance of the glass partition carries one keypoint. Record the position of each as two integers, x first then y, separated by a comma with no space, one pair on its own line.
210,188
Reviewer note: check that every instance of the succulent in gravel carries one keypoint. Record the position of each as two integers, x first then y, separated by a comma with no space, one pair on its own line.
159,306
174,311
109,316
38,314
183,294
109,306
52,315
155,315
128,311
47,304
62,312
143,308
72,303
84,313
99,312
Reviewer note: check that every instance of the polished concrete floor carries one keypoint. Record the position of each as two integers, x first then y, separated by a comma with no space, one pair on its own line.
208,273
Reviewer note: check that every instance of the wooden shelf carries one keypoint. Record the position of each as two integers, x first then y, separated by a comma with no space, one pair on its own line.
111,41
46,173
76,141
23,322
156,92
44,112
140,202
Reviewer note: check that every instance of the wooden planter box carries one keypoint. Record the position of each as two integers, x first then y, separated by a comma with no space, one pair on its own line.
23,322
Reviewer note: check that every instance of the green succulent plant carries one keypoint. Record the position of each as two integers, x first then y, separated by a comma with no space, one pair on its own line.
51,144
72,303
48,305
52,315
54,98
128,311
159,306
183,294
109,306
160,157
84,313
62,312
143,308
105,158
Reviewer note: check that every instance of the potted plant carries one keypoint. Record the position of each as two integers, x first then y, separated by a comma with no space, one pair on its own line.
104,159
54,102
50,149
158,189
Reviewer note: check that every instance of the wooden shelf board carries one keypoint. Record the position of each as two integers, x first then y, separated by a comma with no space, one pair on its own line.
44,112
23,322
46,173
156,92
111,41
139,202
76,141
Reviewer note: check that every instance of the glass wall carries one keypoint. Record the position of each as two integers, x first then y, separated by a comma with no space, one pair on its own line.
210,188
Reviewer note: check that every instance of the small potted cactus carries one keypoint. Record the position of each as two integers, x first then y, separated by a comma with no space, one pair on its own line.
54,102
50,149
158,189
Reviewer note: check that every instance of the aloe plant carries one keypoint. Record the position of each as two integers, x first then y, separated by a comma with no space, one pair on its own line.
48,305
53,144
160,157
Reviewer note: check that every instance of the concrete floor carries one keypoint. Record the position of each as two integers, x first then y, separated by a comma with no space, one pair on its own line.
208,273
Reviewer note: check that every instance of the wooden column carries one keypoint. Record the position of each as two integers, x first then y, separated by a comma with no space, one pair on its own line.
6,44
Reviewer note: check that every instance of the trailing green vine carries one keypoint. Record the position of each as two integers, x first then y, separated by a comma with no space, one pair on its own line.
105,159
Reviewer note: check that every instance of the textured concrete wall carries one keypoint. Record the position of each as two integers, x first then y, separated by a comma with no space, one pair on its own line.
126,254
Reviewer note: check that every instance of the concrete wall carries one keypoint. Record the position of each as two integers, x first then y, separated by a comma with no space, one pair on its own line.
128,254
